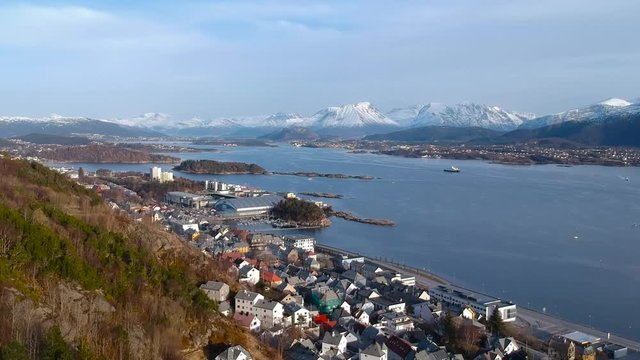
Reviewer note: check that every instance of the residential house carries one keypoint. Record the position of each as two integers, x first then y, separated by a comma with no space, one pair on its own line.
249,274
270,279
245,301
374,352
247,321
506,345
334,341
270,313
216,290
298,315
396,323
235,353
399,349
325,299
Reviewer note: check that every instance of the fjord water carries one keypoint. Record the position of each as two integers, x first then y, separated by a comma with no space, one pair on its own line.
563,239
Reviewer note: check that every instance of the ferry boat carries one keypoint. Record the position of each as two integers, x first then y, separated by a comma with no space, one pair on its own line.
452,170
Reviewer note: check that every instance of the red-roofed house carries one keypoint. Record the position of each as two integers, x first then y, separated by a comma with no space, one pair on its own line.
399,349
247,321
270,278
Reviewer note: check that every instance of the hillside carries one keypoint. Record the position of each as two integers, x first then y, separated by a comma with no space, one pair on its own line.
37,138
103,154
289,134
218,167
437,134
610,130
80,282
58,125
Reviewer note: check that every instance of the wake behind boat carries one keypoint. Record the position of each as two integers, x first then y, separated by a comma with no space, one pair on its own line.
452,170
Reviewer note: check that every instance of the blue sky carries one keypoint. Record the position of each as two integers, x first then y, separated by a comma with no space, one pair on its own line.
226,58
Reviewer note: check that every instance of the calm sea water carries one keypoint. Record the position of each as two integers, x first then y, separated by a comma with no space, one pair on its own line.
542,236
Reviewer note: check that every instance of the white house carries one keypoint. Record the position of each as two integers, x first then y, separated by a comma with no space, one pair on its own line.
216,290
245,301
374,352
270,313
297,314
249,274
423,311
333,341
247,321
396,323
235,353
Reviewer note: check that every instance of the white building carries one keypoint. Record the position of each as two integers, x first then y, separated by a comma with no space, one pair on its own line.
166,176
245,301
483,305
306,243
249,274
156,173
216,290
334,341
269,312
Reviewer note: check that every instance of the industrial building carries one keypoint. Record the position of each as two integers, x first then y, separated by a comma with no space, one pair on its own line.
187,199
247,206
483,305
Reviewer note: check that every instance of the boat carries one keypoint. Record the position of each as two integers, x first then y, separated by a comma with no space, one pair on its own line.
452,170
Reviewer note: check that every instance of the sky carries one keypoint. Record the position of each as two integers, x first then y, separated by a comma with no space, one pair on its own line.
209,59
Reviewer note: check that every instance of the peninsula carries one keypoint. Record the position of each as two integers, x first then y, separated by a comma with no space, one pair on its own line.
99,153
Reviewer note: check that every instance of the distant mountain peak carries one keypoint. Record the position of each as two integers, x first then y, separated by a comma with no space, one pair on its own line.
592,113
361,114
615,102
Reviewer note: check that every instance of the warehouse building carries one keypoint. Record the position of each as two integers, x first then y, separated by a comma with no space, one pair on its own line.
247,206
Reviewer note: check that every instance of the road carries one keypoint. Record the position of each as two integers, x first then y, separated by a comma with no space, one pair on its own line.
537,320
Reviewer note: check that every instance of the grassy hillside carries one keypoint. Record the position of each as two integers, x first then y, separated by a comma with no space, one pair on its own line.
76,278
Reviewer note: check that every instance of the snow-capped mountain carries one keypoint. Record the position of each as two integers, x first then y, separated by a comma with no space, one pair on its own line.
66,125
593,112
362,114
405,116
470,115
146,120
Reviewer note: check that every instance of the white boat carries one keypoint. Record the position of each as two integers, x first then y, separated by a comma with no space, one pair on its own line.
452,170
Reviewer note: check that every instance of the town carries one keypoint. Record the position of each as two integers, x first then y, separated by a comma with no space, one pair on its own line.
512,154
313,301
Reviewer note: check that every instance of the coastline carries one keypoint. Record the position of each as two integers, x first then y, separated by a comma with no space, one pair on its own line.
526,318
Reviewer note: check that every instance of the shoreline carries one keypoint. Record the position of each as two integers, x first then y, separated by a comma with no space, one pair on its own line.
527,317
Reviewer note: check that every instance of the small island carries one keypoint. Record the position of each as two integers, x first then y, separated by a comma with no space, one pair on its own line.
212,167
300,213
331,176
322,195
350,217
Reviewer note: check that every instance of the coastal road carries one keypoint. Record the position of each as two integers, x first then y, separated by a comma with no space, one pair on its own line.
526,317
553,325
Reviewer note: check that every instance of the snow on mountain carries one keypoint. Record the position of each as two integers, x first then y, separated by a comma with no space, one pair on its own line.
615,102
405,116
53,118
593,112
470,115
146,120
362,114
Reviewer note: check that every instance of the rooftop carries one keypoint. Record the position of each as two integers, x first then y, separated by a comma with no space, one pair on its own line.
580,337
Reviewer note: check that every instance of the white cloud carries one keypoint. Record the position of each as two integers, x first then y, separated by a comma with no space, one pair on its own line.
82,28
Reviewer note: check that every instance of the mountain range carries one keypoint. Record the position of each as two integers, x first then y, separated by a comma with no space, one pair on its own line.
350,120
